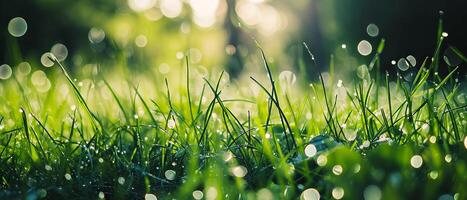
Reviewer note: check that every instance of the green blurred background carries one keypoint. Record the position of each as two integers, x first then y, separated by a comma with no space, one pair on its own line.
156,34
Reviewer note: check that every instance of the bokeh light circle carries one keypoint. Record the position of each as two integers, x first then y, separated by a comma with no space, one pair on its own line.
17,27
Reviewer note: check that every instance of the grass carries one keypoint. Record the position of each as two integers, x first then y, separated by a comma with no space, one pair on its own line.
392,136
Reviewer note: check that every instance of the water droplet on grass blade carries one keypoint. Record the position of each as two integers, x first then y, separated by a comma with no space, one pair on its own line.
197,194
121,180
337,170
321,160
150,197
67,176
5,71
96,35
101,195
24,68
228,156
339,83
46,59
337,192
356,168
141,41
17,27
433,175
310,194
412,60
416,161
448,158
171,124
310,150
403,64
364,48
170,174
60,51
432,139
372,30
239,171
444,34
350,134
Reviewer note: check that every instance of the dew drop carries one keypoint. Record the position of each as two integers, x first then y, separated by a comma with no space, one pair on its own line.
96,35
46,59
321,160
339,83
337,170
24,68
412,60
403,64
121,180
170,174
101,195
372,30
67,176
17,27
141,41
239,171
350,134
337,192
5,71
416,161
433,175
197,194
230,49
60,51
310,194
310,150
171,124
448,158
150,197
364,48
366,144
432,139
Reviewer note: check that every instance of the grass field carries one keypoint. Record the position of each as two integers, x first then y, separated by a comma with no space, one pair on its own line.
201,135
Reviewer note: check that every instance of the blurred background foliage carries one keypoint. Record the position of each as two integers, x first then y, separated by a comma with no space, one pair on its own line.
155,35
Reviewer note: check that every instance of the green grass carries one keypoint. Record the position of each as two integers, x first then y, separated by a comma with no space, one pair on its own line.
118,137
